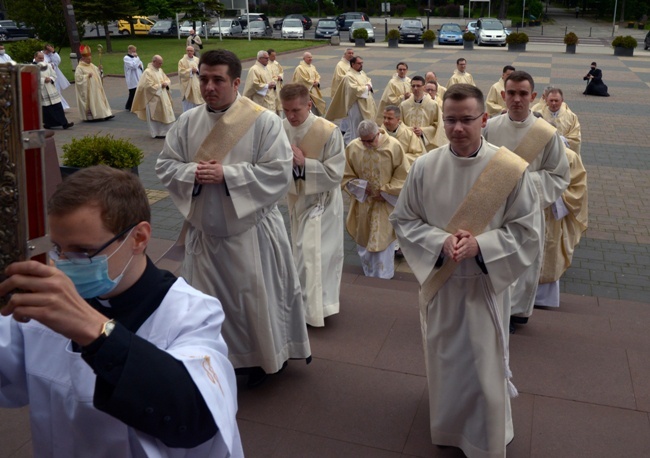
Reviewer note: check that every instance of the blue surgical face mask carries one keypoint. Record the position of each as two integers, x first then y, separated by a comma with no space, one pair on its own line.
92,280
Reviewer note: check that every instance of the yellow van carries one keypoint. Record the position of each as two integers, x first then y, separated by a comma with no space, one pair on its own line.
141,25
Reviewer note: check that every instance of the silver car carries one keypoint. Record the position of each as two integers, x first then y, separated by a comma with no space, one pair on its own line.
363,25
229,28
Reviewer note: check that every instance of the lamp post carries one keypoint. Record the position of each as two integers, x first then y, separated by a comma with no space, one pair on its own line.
523,12
614,18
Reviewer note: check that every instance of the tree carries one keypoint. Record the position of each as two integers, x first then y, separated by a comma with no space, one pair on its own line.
49,23
198,10
103,12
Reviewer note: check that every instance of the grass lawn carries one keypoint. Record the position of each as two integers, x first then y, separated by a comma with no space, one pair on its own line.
172,49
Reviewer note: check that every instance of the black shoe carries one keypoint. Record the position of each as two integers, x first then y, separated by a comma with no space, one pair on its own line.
109,117
512,328
47,127
398,253
519,319
256,376
68,125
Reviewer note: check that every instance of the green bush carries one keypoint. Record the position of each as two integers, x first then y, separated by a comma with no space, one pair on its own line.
624,42
101,149
393,34
516,38
428,35
23,51
469,36
571,39
360,33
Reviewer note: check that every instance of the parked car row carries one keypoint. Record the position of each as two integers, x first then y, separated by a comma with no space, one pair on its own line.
9,30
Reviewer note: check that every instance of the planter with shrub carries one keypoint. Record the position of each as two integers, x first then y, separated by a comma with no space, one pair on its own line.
100,149
468,40
393,38
624,46
428,37
517,41
571,42
360,36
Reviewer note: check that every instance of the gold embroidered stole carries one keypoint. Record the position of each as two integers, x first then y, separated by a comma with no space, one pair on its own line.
316,137
539,134
487,195
228,130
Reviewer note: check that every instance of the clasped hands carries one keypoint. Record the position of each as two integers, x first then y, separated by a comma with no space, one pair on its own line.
460,246
375,194
209,172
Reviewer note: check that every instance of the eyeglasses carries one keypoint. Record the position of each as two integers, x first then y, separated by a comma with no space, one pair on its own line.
83,257
464,121
369,142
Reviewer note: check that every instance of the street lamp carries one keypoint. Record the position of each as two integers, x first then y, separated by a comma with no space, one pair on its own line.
614,18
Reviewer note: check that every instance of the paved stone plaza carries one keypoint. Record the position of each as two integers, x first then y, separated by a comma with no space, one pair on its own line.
582,370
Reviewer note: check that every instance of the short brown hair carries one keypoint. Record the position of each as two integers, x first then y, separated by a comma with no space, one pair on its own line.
222,57
119,195
294,91
518,76
461,91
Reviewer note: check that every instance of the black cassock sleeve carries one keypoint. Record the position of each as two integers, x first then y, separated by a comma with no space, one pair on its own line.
149,390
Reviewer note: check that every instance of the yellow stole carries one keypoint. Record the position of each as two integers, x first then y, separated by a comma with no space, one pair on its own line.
316,137
539,134
487,195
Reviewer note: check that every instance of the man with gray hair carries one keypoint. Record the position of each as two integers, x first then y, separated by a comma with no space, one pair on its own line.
375,170
557,114
260,86
152,101
411,144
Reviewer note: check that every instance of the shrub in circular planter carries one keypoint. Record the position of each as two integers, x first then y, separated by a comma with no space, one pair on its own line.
428,35
624,46
360,34
101,149
469,36
517,38
571,39
393,34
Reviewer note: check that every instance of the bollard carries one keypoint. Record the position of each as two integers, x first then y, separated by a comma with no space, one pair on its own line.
385,27
566,29
74,60
542,30
589,32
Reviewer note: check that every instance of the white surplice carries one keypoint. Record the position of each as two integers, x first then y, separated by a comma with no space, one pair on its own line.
316,213
465,325
237,248
550,173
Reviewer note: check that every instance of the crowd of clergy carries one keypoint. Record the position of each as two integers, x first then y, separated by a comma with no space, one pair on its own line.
499,228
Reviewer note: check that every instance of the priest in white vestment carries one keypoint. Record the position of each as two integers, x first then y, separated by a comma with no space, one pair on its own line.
188,73
341,69
375,170
464,315
53,114
89,87
495,103
431,76
566,221
54,59
278,76
315,203
354,99
461,75
260,86
226,165
431,88
423,116
564,120
548,167
397,90
307,75
411,144
152,101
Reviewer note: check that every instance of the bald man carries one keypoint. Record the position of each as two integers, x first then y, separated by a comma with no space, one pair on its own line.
188,73
152,101
307,75
260,86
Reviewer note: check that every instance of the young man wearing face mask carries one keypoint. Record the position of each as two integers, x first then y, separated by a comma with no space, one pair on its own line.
104,324
4,57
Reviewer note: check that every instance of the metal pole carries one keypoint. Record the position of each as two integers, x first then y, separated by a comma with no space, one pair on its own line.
614,18
589,32
385,27
523,11
542,30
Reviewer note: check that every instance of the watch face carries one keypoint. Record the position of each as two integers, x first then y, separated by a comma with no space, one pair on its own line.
108,328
